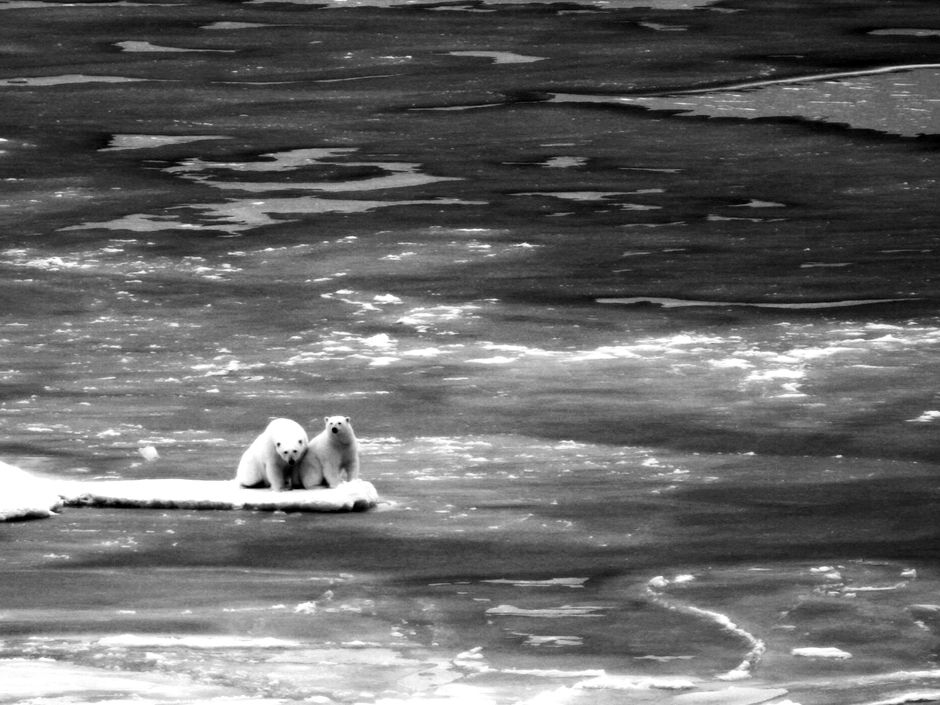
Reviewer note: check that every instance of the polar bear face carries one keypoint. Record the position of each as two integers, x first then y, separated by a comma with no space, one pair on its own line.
289,440
339,428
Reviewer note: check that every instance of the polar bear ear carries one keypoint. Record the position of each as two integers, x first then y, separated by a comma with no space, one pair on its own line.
347,419
326,419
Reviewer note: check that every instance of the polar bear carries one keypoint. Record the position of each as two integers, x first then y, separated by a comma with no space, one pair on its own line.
270,458
333,450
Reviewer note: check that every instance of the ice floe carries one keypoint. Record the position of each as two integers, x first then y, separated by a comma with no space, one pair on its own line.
667,302
547,612
120,142
499,57
926,417
824,652
549,582
65,79
142,46
908,91
28,496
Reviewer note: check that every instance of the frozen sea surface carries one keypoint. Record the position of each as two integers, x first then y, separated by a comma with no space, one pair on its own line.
633,306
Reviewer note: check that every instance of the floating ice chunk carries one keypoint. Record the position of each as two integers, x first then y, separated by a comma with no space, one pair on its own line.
780,373
550,582
666,302
496,360
926,417
913,696
65,79
554,641
906,32
564,162
730,364
233,25
609,682
141,46
148,453
380,340
383,361
821,652
499,57
756,203
141,141
549,613
195,642
386,299
423,352
25,496
735,695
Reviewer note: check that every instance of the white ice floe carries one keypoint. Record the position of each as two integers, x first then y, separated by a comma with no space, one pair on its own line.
828,652
499,57
552,641
612,682
149,47
734,695
926,417
148,453
217,494
26,496
140,141
65,79
160,641
912,696
550,582
666,302
546,613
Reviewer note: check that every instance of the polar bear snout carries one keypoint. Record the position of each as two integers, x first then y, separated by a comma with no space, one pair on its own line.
335,429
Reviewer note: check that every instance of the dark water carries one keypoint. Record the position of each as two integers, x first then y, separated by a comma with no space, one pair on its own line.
634,307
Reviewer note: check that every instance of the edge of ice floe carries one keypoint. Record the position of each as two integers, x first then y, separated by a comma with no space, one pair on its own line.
27,496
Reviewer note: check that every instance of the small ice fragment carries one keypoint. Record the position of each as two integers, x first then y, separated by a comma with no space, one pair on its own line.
659,582
380,340
909,573
148,453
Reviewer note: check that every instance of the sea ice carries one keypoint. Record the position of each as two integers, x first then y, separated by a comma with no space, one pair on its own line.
26,496
821,652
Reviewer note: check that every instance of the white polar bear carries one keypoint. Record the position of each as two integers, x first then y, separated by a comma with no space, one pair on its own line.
271,457
333,450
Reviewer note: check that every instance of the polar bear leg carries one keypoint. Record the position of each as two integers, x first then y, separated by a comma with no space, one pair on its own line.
332,473
352,469
250,472
308,473
276,477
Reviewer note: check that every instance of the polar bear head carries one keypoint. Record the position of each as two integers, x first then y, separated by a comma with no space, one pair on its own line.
339,428
289,440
